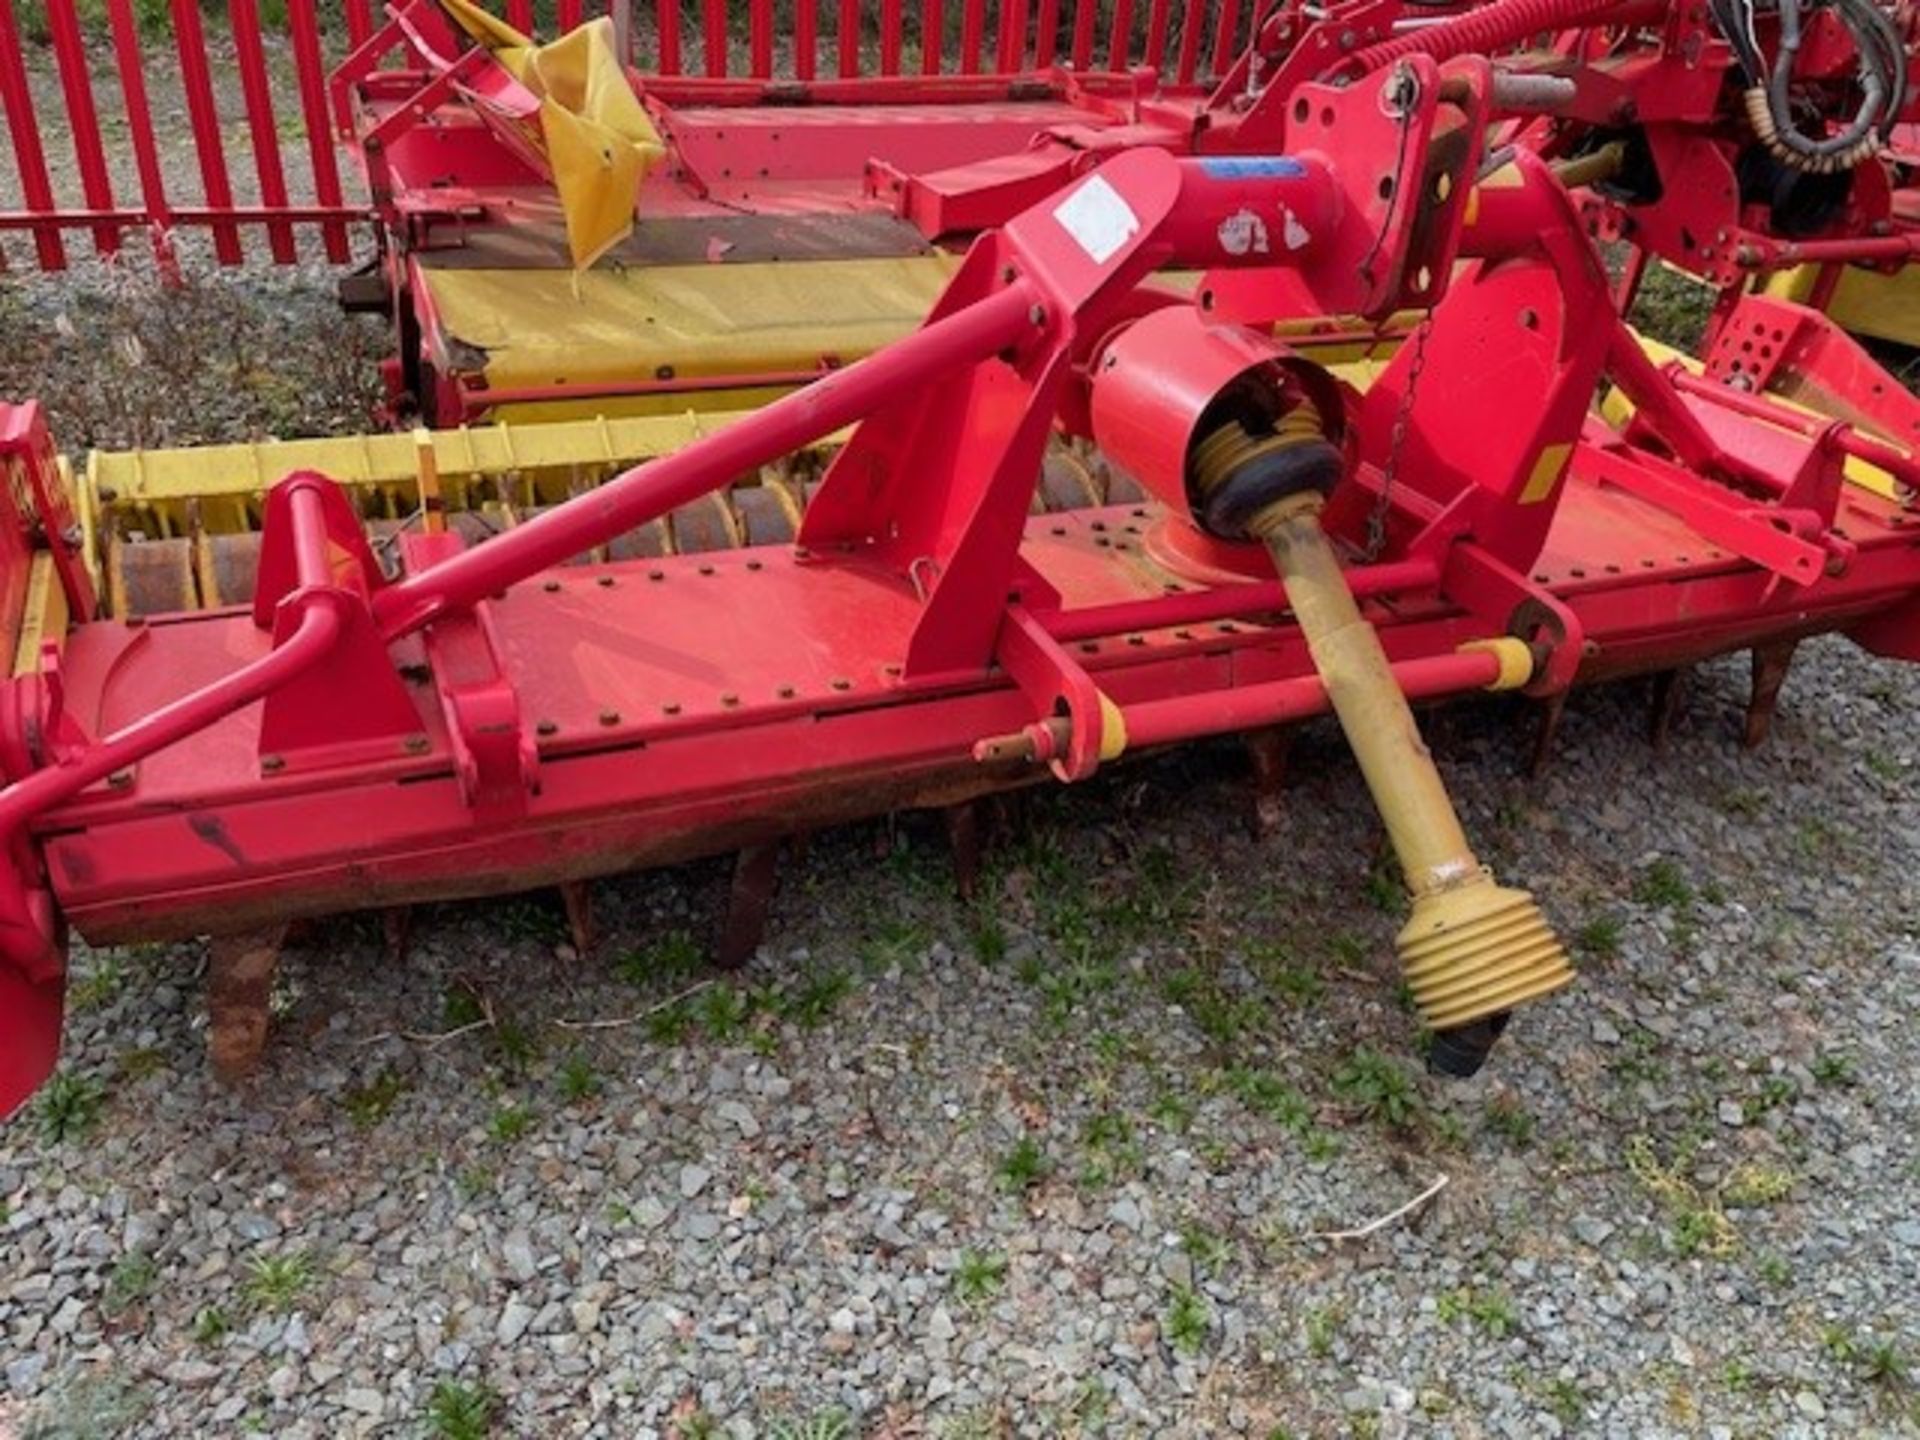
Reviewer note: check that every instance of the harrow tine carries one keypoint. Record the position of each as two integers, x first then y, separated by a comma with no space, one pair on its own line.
396,932
240,970
1267,749
1551,709
1770,664
963,838
577,897
1669,696
755,869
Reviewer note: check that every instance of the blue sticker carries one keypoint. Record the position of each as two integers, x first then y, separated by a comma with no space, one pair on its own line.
1252,167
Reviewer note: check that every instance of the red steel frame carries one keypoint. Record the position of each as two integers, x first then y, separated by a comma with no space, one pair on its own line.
352,739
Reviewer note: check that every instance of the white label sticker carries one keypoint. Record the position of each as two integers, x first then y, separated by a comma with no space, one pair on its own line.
1243,233
1098,219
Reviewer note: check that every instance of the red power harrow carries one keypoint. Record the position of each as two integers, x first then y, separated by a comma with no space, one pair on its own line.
493,718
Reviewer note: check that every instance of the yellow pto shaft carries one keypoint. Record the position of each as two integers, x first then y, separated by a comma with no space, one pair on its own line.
1472,950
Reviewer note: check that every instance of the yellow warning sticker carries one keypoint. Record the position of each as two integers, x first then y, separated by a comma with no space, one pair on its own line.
1546,473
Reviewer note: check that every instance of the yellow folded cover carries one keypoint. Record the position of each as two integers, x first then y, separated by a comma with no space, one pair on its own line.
598,138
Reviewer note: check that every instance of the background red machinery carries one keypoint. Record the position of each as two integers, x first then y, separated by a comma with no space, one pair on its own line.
1681,127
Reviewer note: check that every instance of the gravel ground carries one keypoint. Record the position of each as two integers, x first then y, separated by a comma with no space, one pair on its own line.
121,359
1052,1163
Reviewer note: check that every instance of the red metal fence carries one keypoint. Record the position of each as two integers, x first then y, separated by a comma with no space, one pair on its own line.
155,99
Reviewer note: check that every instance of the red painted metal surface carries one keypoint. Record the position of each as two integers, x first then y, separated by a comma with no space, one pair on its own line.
310,73
30,158
196,80
131,64
244,18
1084,17
713,38
667,23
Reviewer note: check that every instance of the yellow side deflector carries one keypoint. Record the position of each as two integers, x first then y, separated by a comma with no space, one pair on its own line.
760,325
1864,302
1616,409
598,138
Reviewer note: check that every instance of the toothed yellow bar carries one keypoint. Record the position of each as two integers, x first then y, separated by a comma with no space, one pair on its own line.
150,492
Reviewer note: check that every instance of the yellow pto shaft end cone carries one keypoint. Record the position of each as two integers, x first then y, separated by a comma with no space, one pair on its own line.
1475,950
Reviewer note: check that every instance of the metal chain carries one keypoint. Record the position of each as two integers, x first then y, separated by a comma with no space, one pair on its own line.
1403,413
1399,95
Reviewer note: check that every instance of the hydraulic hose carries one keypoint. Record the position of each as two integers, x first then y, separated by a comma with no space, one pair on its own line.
1483,31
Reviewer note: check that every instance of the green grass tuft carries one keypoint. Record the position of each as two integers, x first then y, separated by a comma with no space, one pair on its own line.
69,1107
369,1104
459,1411
579,1081
1024,1166
211,1324
1379,1088
276,1283
1599,938
675,956
1187,1321
1662,885
978,1277
510,1122
821,1425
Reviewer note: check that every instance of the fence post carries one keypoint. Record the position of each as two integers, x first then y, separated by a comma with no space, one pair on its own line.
622,13
35,183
